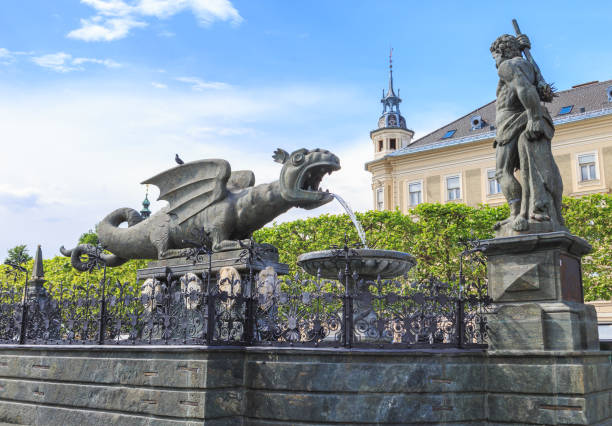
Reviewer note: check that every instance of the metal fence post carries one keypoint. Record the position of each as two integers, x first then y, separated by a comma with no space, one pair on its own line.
348,306
210,304
102,319
249,310
24,318
459,317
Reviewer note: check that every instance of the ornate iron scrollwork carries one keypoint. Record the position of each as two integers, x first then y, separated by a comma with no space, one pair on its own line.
252,308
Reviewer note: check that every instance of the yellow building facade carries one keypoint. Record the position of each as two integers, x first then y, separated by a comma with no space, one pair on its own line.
456,163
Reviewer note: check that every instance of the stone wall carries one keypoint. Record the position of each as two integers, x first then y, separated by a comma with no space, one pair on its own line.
190,385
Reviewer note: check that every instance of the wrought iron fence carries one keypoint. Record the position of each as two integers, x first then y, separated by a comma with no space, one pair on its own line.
251,309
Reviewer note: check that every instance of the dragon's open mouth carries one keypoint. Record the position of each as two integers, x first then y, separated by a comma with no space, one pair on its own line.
311,177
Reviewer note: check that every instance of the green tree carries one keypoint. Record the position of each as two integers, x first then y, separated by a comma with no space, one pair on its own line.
18,254
89,237
591,218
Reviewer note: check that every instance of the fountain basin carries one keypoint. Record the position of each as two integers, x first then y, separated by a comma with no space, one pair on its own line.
368,263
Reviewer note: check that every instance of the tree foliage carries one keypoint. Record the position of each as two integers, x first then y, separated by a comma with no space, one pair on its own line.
89,237
591,218
18,255
60,275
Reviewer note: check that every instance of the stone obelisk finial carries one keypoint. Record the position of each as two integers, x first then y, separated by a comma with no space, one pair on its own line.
35,284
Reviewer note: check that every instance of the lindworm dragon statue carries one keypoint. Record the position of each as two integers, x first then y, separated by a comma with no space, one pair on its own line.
206,195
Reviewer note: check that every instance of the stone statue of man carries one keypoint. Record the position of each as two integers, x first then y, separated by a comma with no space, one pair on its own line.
524,131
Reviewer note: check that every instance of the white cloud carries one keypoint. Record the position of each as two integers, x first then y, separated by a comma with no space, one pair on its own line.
98,29
6,56
199,85
115,18
59,62
158,85
18,199
64,62
108,63
166,34
110,7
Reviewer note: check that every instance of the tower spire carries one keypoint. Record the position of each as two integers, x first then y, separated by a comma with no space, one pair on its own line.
390,92
390,100
391,116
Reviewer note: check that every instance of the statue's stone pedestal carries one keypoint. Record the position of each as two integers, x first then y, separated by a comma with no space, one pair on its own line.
266,255
535,281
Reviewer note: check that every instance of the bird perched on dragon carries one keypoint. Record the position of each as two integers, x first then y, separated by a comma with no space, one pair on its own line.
207,195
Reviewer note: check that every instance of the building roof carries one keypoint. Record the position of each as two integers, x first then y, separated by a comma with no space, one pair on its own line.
588,100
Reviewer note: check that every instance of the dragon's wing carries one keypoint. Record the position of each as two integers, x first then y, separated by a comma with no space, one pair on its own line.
191,187
241,179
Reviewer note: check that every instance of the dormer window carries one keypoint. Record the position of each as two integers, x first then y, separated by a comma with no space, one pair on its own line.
609,92
476,122
566,109
449,134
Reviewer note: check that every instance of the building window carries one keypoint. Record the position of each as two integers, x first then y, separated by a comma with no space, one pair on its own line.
566,109
380,146
380,199
415,193
453,188
476,122
449,134
493,184
392,143
588,171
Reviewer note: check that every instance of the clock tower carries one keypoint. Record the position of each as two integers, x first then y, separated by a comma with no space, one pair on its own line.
391,133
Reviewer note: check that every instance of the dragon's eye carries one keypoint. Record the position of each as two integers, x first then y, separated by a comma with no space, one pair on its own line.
298,159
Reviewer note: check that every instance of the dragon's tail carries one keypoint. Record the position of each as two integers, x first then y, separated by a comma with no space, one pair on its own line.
109,238
90,251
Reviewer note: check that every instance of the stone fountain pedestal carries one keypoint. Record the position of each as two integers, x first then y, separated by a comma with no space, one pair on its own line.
535,281
368,265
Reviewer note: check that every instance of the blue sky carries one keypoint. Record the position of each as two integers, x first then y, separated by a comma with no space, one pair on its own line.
99,95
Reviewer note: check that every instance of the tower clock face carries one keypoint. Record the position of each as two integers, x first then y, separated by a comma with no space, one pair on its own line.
392,120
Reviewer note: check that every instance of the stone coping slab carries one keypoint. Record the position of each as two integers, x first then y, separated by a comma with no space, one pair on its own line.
304,350
260,349
533,242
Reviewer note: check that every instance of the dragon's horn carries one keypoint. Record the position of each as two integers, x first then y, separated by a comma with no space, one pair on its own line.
280,155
